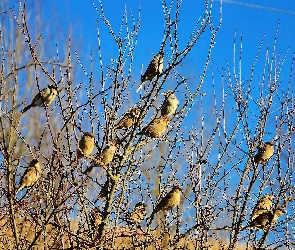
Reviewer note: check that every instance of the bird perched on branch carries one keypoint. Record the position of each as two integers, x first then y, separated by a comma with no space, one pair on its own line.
128,119
265,219
45,96
172,199
138,213
31,175
262,206
86,145
157,127
154,69
105,157
265,152
170,104
95,217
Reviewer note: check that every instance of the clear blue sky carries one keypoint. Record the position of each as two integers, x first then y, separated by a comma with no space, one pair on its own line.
250,18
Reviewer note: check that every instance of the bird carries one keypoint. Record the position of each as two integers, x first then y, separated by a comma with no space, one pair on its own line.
138,213
104,190
171,200
95,217
262,206
31,175
105,157
170,104
86,145
154,69
157,127
128,119
265,152
45,96
265,219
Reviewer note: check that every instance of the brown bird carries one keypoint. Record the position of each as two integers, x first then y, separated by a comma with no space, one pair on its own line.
154,69
265,219
104,190
105,157
128,119
265,152
138,213
31,175
262,206
171,200
170,104
108,153
86,145
95,217
157,127
45,96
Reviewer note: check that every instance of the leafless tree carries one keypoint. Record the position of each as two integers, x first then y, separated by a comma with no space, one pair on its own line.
86,202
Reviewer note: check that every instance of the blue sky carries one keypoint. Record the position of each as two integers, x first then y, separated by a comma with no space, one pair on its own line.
249,18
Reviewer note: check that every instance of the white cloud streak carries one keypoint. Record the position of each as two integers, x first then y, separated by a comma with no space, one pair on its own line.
256,6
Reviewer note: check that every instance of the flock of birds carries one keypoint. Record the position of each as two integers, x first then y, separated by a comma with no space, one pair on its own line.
262,216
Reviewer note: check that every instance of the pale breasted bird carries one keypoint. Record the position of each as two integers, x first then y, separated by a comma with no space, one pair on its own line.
265,152
31,175
157,127
86,145
95,217
45,96
128,119
107,155
154,69
262,206
172,199
104,157
170,104
265,219
138,213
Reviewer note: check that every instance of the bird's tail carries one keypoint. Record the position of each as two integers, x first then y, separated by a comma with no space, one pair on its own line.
150,219
140,86
24,110
88,170
19,189
95,164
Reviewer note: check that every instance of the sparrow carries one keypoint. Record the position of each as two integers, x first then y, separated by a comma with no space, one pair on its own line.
265,219
154,69
171,200
86,145
265,152
170,104
31,175
262,206
45,96
104,190
105,157
138,213
95,217
157,127
128,119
